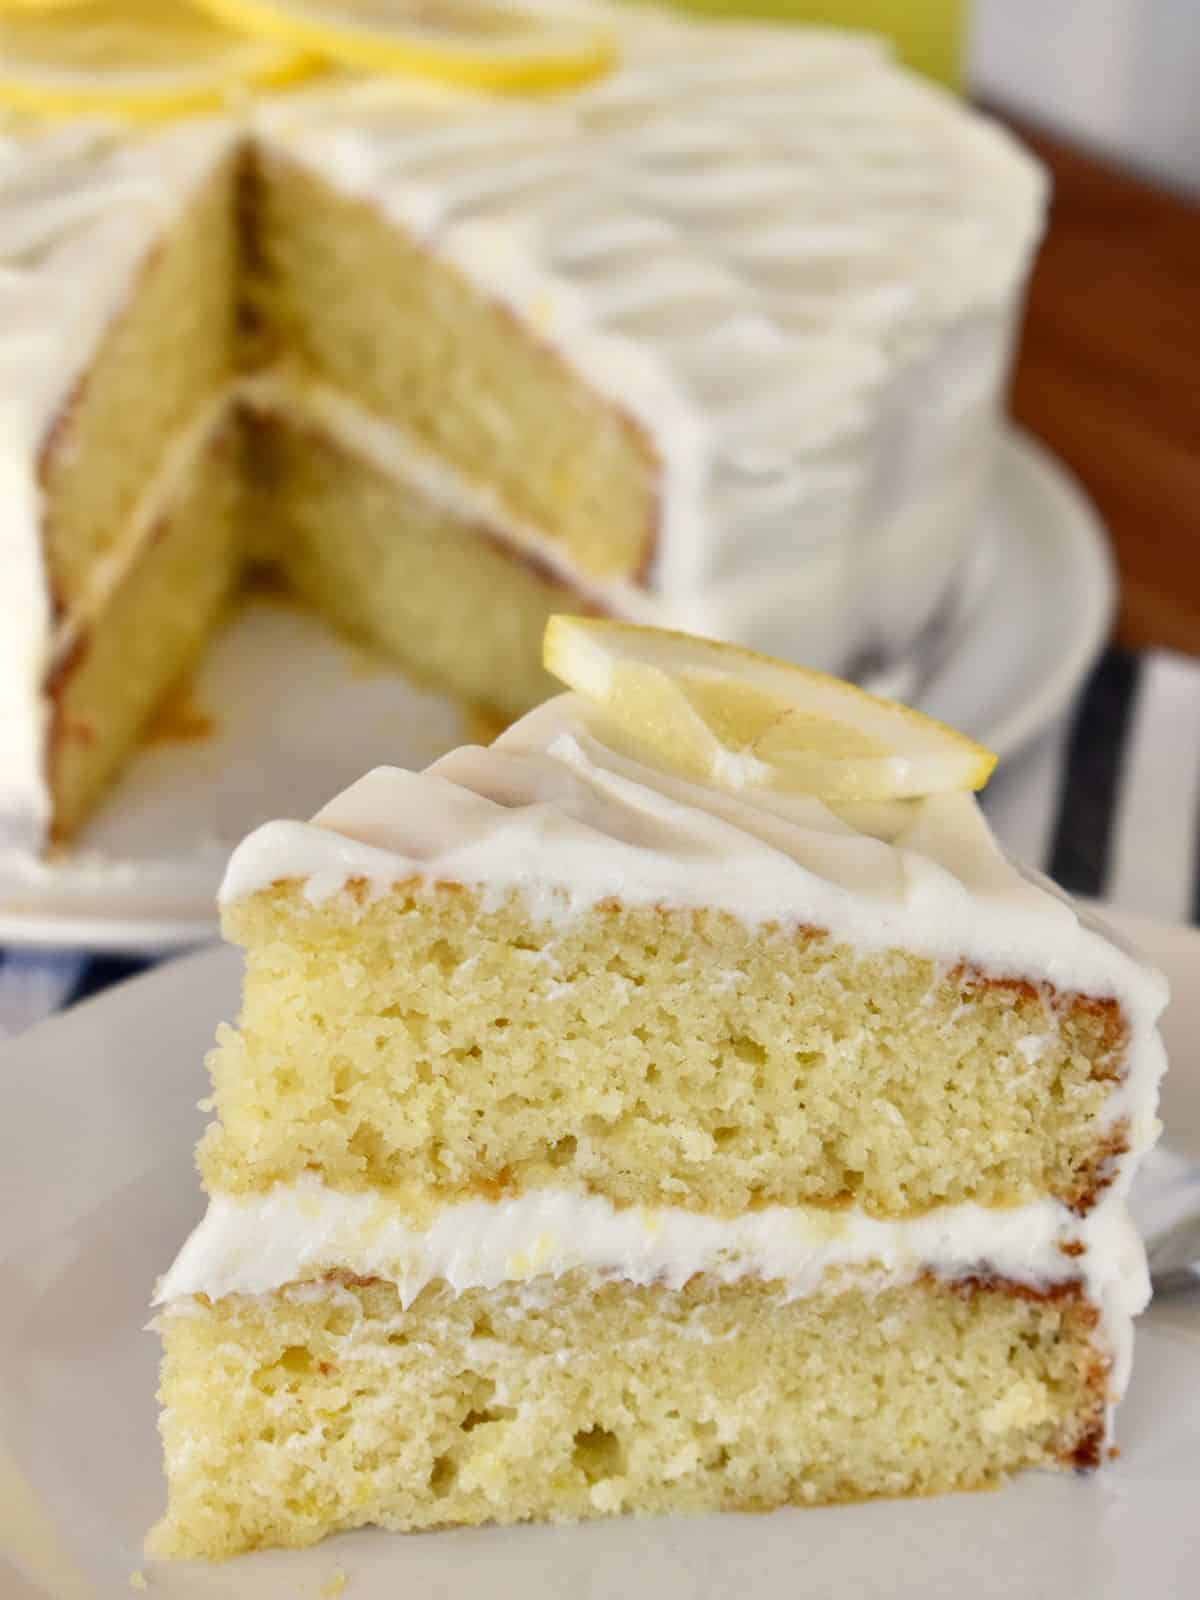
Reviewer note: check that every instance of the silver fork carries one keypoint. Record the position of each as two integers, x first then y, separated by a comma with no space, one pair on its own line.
1174,1257
1166,1207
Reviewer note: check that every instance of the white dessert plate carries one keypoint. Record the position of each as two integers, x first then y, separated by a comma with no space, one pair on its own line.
302,714
95,1161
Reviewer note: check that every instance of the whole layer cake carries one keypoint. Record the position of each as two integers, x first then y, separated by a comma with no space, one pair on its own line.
719,338
596,1138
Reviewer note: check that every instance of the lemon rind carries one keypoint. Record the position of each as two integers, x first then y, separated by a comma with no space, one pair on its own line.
941,760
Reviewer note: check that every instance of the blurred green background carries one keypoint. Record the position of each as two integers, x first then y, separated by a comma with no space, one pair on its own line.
930,35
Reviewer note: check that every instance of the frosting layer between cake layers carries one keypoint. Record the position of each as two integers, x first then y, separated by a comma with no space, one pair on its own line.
302,1232
253,1243
397,455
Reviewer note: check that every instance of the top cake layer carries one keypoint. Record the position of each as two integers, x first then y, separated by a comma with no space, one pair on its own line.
546,964
554,811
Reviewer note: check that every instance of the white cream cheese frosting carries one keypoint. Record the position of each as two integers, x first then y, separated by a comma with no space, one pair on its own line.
795,265
555,812
253,1244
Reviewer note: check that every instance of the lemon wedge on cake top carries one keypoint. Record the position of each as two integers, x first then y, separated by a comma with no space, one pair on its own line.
718,712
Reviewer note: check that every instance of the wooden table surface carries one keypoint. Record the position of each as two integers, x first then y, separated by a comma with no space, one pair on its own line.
1109,377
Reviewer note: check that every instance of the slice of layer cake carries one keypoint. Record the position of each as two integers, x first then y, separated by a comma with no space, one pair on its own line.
599,1135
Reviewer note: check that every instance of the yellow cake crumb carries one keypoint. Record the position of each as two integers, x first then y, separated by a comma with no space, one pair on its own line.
397,571
654,1056
325,1407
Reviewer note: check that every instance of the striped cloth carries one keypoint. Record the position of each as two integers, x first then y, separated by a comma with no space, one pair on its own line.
1108,803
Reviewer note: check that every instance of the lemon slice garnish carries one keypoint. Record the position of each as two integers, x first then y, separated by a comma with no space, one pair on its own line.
526,44
717,712
133,58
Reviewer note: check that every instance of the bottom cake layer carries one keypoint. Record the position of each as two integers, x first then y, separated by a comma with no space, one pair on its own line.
329,1405
395,567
